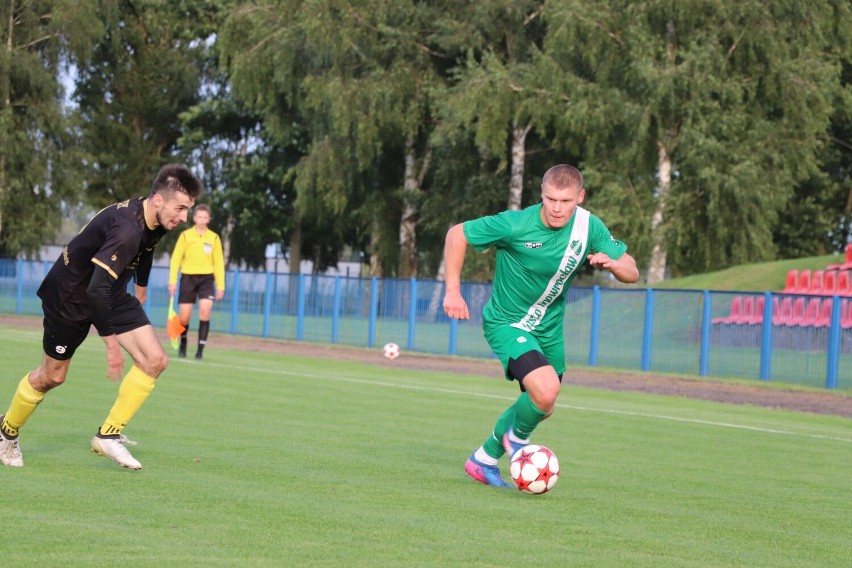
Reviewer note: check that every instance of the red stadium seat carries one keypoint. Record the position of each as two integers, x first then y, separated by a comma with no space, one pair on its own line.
736,312
804,281
782,311
798,312
846,318
817,279
748,310
843,283
756,316
811,314
824,317
792,281
829,285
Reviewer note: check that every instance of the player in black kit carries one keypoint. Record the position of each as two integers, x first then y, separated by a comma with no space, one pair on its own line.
88,286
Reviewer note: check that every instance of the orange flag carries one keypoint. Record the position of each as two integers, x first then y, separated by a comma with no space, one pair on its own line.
173,326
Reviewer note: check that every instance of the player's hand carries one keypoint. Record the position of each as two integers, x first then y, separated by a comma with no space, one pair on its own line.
601,260
115,358
455,306
219,295
624,269
172,289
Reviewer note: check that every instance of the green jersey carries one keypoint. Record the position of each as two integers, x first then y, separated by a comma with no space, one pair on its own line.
536,264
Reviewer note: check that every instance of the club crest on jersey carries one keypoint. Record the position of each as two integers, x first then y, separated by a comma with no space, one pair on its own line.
532,245
576,246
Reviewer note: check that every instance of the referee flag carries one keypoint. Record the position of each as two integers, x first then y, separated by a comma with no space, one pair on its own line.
173,326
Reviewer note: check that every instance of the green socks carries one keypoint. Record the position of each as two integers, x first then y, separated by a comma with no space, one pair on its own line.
523,416
527,417
493,446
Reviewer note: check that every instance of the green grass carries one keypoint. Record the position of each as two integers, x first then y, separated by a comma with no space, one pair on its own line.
757,277
255,459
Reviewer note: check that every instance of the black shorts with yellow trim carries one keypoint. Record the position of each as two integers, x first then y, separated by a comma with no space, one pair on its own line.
62,337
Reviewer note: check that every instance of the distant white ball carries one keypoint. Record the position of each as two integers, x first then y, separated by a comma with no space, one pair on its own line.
534,469
391,350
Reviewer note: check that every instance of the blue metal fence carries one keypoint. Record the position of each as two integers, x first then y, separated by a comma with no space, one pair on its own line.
670,331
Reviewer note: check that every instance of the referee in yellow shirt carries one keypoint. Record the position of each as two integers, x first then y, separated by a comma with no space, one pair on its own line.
198,255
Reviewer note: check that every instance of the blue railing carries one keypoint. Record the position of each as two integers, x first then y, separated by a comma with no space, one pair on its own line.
690,332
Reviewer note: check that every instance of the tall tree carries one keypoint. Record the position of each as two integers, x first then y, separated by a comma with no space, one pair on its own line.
818,220
360,77
377,82
38,156
495,93
266,62
145,70
720,109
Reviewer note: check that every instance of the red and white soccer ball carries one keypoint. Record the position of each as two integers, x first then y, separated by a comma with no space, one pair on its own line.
534,469
391,350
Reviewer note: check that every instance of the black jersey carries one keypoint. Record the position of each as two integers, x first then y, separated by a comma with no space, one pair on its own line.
117,240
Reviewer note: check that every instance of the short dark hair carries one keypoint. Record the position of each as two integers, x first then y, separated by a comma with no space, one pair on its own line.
563,176
203,207
173,178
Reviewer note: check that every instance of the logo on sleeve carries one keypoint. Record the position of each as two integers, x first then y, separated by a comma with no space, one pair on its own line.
532,245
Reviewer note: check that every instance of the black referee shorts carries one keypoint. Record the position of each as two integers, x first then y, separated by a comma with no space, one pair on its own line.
192,286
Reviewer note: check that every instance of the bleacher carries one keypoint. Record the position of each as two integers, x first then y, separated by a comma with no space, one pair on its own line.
806,301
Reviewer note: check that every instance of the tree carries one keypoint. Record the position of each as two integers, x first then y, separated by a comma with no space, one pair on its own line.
360,77
38,155
264,61
144,72
495,93
818,220
719,112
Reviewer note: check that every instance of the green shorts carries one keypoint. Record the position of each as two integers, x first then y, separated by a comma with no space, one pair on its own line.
510,343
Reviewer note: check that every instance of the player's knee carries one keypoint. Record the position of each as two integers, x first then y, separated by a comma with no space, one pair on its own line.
154,364
45,381
160,364
544,395
547,396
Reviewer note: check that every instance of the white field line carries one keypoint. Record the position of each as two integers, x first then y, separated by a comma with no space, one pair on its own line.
343,379
338,378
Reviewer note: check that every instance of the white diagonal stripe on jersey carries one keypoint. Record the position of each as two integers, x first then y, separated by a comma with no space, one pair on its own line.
570,262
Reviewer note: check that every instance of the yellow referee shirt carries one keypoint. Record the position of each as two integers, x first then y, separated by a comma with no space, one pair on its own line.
198,254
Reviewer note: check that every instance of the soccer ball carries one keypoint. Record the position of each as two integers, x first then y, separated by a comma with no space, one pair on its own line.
391,350
534,469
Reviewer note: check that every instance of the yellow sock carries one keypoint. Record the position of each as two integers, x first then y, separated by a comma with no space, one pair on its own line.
23,405
133,391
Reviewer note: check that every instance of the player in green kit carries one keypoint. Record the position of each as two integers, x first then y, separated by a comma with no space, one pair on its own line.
539,251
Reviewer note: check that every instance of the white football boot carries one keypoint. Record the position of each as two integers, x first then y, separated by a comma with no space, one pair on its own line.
10,451
112,447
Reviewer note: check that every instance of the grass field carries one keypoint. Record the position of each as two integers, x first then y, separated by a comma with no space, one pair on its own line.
263,460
